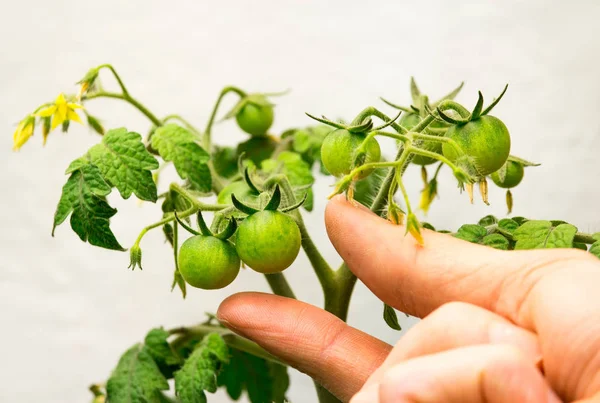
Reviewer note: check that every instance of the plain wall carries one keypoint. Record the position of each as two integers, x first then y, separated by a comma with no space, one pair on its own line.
68,310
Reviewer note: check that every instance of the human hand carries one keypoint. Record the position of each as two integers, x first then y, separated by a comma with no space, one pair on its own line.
492,320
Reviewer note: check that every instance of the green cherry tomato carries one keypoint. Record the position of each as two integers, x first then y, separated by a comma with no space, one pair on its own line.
257,149
255,119
208,262
485,140
409,121
339,148
268,241
240,189
514,175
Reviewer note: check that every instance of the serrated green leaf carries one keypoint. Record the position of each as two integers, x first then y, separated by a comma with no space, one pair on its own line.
158,347
520,220
263,380
496,241
596,236
297,171
471,232
488,220
177,144
125,163
390,317
508,225
540,234
137,378
595,249
199,372
83,196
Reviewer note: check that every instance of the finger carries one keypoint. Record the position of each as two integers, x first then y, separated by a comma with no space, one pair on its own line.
418,279
456,325
476,374
314,341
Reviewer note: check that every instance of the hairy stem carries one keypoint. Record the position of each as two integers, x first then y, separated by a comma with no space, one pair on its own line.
185,122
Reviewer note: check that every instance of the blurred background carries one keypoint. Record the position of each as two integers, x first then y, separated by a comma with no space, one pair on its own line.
69,310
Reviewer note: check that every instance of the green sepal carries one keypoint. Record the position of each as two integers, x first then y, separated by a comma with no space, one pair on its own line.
242,207
296,205
390,317
184,225
275,200
180,282
228,231
135,257
202,225
478,107
249,182
495,102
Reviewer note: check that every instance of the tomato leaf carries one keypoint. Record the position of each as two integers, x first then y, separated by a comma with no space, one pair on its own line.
471,232
540,234
497,241
390,317
161,351
199,372
508,225
595,249
488,220
137,378
177,144
83,196
264,381
125,163
580,245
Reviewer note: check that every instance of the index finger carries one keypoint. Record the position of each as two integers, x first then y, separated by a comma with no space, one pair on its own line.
418,279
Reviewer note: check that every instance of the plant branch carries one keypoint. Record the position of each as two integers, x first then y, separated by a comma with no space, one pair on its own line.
206,138
279,285
125,97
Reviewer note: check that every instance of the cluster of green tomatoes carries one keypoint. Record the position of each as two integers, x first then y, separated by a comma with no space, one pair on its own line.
268,240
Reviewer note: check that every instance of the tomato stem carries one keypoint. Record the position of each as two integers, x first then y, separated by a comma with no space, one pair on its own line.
126,97
206,138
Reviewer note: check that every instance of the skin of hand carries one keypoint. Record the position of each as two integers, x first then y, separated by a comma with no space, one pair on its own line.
498,326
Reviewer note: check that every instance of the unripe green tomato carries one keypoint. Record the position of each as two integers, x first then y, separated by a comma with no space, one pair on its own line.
268,241
255,119
339,148
485,140
240,189
514,175
409,121
208,262
257,149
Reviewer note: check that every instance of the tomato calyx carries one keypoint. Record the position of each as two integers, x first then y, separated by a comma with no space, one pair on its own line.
205,231
272,205
362,127
475,114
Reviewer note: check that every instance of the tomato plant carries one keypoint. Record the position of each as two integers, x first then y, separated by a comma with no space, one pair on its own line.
259,192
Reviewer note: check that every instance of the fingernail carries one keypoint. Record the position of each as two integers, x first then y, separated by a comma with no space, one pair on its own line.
503,333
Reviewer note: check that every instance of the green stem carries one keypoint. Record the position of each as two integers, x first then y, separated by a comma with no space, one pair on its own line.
231,339
322,269
279,285
198,205
206,140
125,97
117,77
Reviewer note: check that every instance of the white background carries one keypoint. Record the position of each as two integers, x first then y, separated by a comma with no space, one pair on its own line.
68,309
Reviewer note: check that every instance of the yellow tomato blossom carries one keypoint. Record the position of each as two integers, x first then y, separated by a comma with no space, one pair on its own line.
23,132
61,111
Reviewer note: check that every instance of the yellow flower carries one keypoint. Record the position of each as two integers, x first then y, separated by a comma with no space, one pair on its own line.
61,111
23,132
